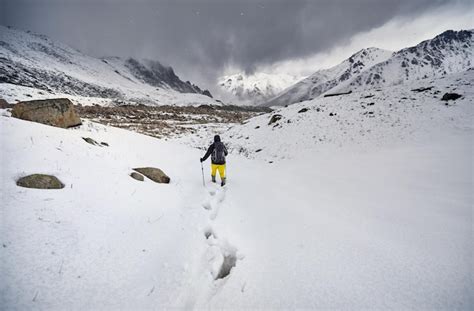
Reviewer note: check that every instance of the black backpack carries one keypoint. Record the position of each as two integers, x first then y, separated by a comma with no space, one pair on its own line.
218,154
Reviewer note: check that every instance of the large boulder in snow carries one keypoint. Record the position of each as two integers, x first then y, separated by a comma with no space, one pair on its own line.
56,112
40,181
154,174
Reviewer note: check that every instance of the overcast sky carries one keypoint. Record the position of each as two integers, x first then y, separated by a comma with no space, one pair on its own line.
204,39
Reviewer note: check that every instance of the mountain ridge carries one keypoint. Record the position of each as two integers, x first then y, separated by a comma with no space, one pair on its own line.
36,61
447,53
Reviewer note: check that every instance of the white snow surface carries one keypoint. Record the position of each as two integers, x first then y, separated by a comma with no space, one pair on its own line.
369,225
55,59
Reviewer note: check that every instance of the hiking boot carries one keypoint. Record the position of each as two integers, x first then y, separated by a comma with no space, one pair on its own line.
213,178
223,182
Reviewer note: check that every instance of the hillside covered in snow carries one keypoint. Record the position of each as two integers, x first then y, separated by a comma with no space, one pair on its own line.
384,117
448,53
33,65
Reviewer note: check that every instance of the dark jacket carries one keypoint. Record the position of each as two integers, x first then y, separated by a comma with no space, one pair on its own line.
217,151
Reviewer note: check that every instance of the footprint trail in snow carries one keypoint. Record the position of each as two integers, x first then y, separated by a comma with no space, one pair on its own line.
219,258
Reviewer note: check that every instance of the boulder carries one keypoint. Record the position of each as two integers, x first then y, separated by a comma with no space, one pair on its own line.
154,174
303,110
451,96
40,181
137,176
57,112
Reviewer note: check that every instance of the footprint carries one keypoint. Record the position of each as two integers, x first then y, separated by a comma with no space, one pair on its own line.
208,233
207,205
230,261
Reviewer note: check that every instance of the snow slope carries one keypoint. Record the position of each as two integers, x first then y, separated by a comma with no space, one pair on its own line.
389,116
257,87
386,227
54,69
324,80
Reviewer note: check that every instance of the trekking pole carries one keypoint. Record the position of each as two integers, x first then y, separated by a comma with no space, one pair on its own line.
202,171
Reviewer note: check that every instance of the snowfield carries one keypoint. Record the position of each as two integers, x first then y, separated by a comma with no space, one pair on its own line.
382,223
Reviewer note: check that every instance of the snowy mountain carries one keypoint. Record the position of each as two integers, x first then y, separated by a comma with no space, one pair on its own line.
447,53
38,66
257,87
325,79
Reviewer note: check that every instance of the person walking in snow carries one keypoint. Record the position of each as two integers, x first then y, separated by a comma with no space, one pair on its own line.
218,152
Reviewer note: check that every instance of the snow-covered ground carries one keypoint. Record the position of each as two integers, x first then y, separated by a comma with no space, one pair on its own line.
370,226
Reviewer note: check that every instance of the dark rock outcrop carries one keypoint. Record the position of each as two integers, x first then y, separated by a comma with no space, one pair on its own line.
154,174
275,118
338,94
55,112
40,181
91,141
451,96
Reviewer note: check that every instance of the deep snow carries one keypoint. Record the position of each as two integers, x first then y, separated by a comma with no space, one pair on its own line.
347,229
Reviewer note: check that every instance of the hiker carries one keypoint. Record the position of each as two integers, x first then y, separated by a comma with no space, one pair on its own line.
217,151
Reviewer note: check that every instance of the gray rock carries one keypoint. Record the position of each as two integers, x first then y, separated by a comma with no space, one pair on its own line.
57,112
137,176
275,118
154,174
450,96
40,181
91,141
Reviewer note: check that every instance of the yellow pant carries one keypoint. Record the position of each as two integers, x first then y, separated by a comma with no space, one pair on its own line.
218,167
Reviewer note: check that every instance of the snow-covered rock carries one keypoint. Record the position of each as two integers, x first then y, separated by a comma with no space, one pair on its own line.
31,62
257,87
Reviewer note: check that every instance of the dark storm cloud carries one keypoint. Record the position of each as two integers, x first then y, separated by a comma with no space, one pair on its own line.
199,37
